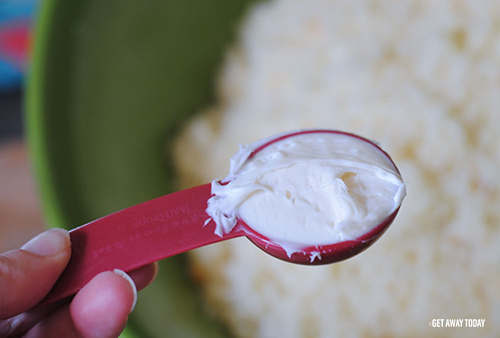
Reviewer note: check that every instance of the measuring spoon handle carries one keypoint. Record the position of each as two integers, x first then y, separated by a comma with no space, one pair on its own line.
136,236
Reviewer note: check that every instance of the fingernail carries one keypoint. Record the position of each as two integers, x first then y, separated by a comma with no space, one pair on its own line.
157,269
132,284
48,243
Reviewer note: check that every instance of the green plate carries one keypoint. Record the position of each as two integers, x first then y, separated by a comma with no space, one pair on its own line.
111,83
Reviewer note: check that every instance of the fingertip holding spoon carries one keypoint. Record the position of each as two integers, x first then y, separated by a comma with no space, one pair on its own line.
181,221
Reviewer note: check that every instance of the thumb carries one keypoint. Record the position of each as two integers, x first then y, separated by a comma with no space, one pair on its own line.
28,274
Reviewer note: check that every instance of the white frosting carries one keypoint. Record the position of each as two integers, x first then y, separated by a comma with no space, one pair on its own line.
307,190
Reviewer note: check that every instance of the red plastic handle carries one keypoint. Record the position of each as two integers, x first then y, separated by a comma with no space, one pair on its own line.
136,236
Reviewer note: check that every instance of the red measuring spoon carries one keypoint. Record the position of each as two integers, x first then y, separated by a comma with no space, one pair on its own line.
175,223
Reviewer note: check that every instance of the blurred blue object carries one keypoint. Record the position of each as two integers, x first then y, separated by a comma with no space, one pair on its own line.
16,22
10,76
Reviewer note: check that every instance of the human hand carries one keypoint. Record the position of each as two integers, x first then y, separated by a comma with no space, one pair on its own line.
100,309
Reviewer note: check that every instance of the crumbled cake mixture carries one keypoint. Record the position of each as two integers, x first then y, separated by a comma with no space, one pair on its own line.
423,79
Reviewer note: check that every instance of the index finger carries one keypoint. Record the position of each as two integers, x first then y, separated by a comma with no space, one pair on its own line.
28,274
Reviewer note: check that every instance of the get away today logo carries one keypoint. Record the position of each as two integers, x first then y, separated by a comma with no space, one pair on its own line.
453,322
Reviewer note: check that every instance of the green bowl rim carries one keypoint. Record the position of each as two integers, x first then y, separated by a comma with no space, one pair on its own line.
35,131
